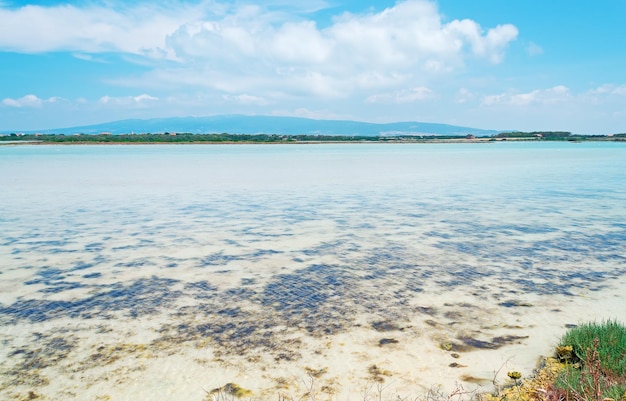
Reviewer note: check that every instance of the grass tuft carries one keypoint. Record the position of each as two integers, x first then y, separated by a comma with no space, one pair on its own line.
595,362
611,346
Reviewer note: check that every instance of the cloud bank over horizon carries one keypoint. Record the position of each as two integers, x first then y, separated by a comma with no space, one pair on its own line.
403,61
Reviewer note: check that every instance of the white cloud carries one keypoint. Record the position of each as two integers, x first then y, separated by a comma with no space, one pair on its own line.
137,101
140,29
620,90
609,89
251,50
410,34
25,101
144,97
553,95
239,48
490,46
402,96
32,101
89,57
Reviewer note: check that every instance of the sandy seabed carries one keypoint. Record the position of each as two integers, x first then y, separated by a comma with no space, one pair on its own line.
361,293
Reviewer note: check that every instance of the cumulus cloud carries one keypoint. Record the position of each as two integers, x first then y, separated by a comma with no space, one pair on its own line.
489,46
137,101
553,95
237,48
410,34
249,50
140,29
25,101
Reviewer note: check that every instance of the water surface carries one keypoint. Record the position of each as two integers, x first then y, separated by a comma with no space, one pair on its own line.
162,272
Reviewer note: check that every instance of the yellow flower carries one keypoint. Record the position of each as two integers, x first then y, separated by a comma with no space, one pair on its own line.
514,375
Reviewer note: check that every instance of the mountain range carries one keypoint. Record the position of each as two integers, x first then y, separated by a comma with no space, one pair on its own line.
241,124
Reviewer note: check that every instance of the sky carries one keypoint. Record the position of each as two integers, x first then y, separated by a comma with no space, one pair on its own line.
526,65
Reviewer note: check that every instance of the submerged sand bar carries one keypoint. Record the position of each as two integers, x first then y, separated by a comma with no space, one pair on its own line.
165,272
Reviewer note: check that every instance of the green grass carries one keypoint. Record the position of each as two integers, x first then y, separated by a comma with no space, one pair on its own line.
611,344
596,366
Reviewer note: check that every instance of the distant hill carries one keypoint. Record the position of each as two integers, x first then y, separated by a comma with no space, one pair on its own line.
240,124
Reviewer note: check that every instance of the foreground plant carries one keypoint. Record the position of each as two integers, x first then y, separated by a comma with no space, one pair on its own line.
589,365
595,363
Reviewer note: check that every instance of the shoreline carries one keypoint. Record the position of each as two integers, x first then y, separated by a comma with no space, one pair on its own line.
329,142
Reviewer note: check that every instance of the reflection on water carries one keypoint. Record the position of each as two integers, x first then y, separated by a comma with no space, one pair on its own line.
164,272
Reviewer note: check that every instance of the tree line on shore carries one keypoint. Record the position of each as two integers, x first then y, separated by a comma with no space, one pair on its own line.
271,138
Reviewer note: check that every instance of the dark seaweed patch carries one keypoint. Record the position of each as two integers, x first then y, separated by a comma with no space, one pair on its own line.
60,286
528,285
54,282
474,379
475,343
47,274
514,304
201,286
136,263
218,259
55,251
37,310
462,275
124,248
232,331
470,343
385,325
240,293
144,296
428,310
378,374
505,340
264,252
230,312
55,243
81,266
454,315
248,281
45,352
325,248
457,365
94,247
387,341
9,240
311,298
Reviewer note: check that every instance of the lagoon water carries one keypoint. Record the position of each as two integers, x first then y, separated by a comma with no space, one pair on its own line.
343,271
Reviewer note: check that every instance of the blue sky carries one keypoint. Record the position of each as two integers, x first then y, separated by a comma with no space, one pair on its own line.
515,64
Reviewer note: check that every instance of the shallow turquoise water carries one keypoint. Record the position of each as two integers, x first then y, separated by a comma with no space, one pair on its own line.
244,249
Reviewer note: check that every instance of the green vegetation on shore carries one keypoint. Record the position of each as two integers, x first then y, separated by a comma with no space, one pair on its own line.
589,365
267,138
595,358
